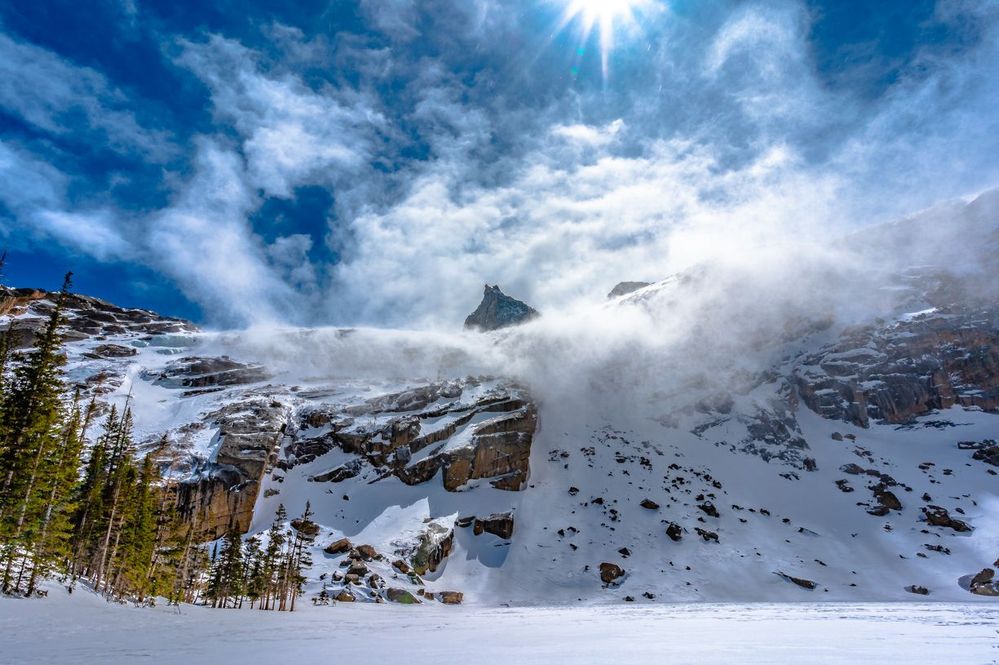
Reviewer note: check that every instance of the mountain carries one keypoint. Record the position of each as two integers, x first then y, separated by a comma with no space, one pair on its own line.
823,429
498,310
624,288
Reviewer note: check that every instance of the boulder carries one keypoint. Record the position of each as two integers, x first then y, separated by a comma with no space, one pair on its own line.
649,504
708,508
401,596
498,524
450,597
610,572
674,531
888,500
707,536
338,546
918,590
937,516
345,596
112,351
367,552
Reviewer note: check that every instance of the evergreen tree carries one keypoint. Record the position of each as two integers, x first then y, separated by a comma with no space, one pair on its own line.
31,427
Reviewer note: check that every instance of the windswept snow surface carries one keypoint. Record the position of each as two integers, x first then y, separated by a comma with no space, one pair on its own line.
82,629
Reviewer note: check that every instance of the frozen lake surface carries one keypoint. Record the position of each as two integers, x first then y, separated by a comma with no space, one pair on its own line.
83,629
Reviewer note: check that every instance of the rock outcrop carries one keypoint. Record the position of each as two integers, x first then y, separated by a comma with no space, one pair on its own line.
498,310
222,495
895,373
85,317
455,429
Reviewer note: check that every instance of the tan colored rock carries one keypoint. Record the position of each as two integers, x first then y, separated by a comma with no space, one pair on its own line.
338,546
450,597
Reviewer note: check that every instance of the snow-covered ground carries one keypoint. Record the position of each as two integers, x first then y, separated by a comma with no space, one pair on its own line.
83,629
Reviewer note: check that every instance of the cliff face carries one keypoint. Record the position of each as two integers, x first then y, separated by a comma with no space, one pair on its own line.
893,374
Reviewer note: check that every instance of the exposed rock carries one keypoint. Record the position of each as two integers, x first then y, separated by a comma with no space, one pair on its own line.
498,524
919,590
982,584
401,596
401,566
345,596
433,545
368,552
937,516
197,372
84,317
498,310
624,288
496,433
988,454
338,546
800,581
307,529
908,368
674,531
708,508
224,494
888,500
112,351
707,536
649,504
450,597
610,572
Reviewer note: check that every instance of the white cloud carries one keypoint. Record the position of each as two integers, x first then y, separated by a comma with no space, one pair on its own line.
291,134
50,93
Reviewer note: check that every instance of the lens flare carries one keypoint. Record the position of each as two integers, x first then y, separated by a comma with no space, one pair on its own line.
601,15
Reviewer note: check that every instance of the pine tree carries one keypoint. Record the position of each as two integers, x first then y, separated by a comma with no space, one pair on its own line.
273,558
31,427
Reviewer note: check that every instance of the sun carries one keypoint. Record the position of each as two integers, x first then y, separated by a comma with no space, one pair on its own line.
601,15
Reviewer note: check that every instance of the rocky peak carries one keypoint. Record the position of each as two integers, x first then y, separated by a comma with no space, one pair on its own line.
498,310
624,288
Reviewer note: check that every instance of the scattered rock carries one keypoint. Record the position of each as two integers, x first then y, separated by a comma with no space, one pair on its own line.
450,597
498,524
610,572
649,504
674,531
919,590
367,552
708,536
708,508
401,596
338,547
937,516
800,581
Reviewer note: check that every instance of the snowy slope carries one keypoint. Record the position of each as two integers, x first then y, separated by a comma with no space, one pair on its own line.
816,406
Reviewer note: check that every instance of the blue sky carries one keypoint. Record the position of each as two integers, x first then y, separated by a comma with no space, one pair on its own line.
375,161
